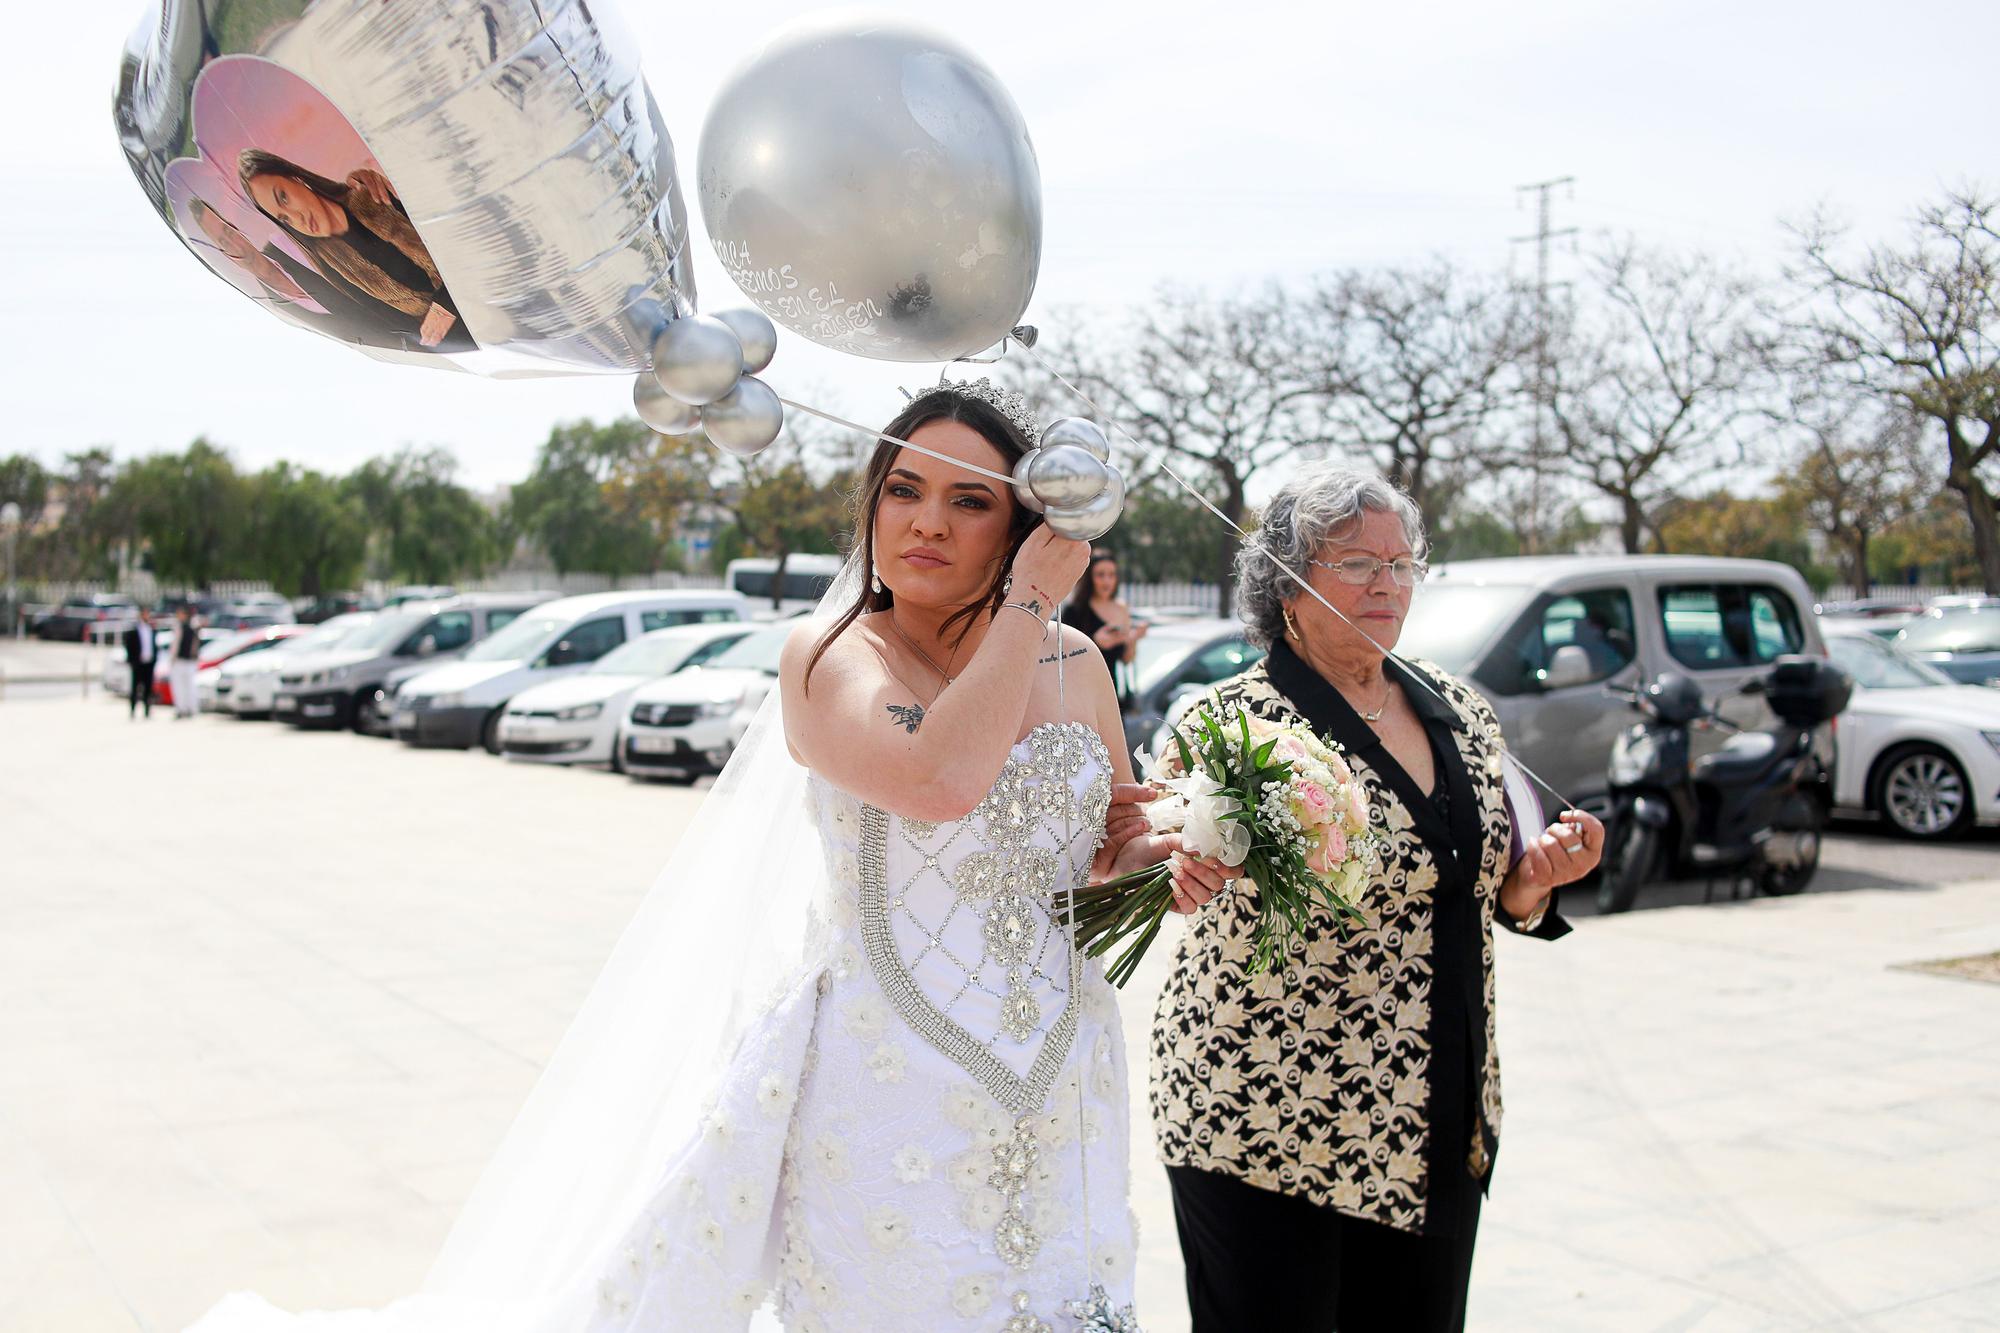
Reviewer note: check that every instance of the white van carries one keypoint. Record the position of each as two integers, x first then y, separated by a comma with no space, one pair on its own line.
459,704
807,578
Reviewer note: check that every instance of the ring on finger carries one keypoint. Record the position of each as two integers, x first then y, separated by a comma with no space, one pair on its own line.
1572,847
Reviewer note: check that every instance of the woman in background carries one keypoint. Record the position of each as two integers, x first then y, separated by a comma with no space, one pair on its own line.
1095,609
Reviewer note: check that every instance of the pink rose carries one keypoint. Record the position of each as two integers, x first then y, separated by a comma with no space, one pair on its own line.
1357,806
1324,859
1314,802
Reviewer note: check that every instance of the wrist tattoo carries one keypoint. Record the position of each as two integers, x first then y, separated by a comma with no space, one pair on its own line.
907,716
1054,657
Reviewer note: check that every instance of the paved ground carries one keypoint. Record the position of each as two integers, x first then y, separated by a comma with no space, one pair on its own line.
267,1000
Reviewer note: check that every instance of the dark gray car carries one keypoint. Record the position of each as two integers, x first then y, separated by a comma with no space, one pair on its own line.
1961,641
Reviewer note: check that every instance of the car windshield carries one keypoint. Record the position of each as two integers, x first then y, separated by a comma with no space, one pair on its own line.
758,652
382,633
1450,622
1953,632
518,640
1876,666
646,656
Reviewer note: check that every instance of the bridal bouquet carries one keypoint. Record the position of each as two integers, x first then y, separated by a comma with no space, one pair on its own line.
1275,800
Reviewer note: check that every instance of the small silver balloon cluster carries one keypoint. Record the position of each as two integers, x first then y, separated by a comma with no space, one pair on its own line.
1069,480
704,375
1096,1314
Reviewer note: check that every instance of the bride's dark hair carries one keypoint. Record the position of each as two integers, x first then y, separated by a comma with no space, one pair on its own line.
993,426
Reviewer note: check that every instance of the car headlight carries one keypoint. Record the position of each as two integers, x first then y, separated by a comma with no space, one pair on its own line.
580,713
719,707
1992,739
338,674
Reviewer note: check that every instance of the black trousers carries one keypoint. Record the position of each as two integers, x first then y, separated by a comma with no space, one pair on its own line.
1261,1260
142,688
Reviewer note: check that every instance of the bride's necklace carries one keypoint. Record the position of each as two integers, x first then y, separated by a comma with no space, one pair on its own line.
943,674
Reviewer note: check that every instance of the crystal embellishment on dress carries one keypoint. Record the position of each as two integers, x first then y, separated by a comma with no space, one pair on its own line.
1021,1321
1095,1313
1014,1161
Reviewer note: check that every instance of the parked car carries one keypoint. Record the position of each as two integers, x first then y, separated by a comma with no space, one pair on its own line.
248,686
807,577
336,688
80,618
1174,662
459,704
1541,637
316,610
689,723
1956,600
1881,627
209,677
575,720
1961,641
418,592
1917,748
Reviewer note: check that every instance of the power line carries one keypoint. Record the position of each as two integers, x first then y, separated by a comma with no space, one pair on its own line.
1544,234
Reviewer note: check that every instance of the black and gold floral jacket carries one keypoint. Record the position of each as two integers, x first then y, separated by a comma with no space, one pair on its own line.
1361,1075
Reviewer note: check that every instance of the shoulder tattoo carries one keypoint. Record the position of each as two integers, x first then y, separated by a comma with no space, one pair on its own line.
907,716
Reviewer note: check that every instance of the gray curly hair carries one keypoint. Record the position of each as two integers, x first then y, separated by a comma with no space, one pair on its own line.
1322,502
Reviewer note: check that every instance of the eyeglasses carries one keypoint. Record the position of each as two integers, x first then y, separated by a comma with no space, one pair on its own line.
1362,569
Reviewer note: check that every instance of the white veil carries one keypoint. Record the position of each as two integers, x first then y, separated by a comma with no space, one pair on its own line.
723,930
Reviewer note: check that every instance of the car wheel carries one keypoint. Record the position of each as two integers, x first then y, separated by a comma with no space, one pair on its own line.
489,735
1628,864
1804,821
357,710
1923,793
617,757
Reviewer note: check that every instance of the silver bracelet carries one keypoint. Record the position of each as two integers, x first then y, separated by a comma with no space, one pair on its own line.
1025,607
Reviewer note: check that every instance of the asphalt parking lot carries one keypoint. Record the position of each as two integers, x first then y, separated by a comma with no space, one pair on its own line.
269,998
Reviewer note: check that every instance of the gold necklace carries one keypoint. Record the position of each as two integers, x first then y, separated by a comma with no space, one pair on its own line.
942,673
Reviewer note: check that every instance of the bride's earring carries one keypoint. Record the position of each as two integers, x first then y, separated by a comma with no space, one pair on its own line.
875,583
1292,626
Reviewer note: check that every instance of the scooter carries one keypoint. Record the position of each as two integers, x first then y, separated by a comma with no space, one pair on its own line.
1749,814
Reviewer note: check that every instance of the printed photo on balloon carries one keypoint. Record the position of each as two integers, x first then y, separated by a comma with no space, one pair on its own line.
286,203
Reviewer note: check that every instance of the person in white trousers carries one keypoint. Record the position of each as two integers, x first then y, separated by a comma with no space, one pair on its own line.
186,660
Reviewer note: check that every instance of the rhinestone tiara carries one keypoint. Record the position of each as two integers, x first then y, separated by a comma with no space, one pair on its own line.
1007,402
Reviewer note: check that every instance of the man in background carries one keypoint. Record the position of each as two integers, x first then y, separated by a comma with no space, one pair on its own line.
187,658
142,653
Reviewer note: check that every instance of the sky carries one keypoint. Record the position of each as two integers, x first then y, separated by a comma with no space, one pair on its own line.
1207,146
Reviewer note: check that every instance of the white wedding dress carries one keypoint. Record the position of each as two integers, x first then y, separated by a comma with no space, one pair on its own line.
927,1131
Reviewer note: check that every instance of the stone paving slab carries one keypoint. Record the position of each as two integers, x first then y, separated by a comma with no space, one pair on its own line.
268,1000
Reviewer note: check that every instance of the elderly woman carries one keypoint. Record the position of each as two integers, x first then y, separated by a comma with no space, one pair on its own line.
1329,1126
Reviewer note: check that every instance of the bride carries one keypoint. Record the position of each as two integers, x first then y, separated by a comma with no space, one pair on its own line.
844,1072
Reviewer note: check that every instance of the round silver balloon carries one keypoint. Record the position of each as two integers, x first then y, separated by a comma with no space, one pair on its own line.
1067,476
759,336
1092,519
1081,432
871,186
745,419
506,155
660,409
1022,491
698,359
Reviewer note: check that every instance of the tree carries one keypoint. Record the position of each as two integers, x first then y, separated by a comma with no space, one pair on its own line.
1723,524
789,499
1165,537
1211,388
574,507
25,482
1920,323
1857,474
308,532
1411,365
191,510
1651,380
424,526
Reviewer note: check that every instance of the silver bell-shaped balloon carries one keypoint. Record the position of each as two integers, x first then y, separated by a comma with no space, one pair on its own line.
745,419
660,410
698,359
1022,491
1094,517
759,336
1080,431
1066,476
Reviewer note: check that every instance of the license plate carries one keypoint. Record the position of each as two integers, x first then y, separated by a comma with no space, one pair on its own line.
404,721
286,704
655,744
523,724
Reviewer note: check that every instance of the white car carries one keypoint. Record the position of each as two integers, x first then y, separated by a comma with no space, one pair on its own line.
459,704
1915,746
575,720
248,685
689,723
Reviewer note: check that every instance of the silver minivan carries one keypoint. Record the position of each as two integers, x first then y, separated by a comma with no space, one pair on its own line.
1542,636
